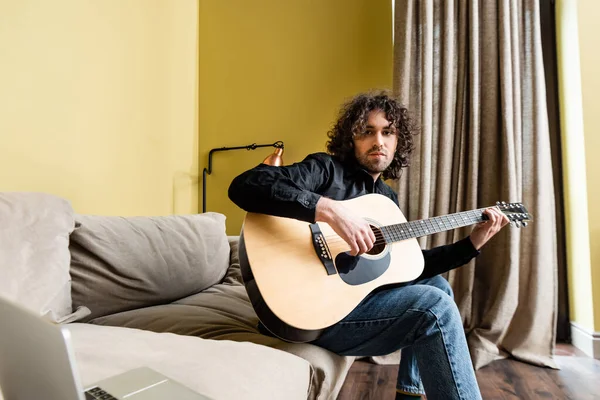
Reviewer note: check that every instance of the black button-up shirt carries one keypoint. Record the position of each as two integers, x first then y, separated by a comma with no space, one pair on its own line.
293,191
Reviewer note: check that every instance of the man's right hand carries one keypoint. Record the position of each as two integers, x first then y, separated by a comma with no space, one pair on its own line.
355,230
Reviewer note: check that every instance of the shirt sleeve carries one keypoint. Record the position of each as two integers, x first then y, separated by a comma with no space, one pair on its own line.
445,258
288,191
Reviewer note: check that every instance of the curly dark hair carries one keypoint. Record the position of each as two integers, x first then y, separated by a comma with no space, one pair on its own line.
353,118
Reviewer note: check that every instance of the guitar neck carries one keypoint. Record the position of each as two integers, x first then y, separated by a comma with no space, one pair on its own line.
424,227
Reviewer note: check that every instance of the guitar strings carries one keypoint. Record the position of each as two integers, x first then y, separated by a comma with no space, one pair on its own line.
336,240
378,236
379,240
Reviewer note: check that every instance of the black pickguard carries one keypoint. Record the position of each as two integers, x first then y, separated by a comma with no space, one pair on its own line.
356,270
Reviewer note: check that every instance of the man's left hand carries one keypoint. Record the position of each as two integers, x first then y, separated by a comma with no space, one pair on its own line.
485,230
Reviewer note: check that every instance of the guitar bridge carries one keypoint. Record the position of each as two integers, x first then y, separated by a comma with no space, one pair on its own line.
322,249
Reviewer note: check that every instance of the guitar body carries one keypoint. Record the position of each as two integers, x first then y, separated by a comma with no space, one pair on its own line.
300,277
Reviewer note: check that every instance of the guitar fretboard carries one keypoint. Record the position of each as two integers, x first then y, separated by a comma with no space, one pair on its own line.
424,227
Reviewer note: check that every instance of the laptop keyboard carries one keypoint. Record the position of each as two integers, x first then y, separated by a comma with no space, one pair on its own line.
98,393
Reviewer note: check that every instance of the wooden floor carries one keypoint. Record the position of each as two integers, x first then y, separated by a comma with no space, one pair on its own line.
578,379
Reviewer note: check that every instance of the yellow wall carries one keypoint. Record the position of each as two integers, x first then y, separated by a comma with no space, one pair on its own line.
578,84
278,70
588,11
98,103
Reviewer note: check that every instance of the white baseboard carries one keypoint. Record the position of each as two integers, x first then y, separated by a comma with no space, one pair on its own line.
585,340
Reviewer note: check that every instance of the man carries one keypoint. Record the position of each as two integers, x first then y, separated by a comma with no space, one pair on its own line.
371,140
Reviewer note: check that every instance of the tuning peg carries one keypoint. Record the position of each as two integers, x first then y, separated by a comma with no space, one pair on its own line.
524,223
518,224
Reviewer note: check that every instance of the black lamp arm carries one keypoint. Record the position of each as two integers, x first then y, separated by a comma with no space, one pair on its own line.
253,146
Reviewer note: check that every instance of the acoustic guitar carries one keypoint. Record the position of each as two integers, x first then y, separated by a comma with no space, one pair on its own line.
301,278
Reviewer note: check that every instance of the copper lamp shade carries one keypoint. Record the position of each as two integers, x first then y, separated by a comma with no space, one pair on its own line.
276,158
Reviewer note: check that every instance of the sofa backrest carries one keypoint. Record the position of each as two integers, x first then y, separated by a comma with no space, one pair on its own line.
34,254
120,264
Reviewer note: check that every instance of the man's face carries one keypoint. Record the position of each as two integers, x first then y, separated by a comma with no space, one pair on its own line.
375,147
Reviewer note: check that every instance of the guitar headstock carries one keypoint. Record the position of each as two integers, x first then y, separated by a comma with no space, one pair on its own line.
516,213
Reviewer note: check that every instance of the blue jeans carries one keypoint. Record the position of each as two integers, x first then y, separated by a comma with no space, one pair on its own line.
422,319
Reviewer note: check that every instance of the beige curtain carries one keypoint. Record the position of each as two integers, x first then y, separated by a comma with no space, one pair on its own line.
471,73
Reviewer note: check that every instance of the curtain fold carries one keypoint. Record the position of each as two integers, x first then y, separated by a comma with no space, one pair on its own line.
472,75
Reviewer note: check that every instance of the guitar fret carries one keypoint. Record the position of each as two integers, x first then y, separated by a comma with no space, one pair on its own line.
448,221
432,227
400,233
397,232
388,233
429,227
440,224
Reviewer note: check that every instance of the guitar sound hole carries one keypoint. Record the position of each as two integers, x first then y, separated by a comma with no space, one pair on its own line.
379,242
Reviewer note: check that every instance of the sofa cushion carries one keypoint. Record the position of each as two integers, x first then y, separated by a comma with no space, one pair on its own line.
224,312
34,253
120,263
217,369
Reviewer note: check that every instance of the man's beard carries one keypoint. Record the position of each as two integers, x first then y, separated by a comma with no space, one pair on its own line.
374,166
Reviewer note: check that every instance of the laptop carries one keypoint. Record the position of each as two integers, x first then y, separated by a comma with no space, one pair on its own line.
37,362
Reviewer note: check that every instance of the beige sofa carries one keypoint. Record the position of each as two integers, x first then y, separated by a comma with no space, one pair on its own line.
165,292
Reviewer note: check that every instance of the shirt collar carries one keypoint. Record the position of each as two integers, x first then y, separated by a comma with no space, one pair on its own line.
359,170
